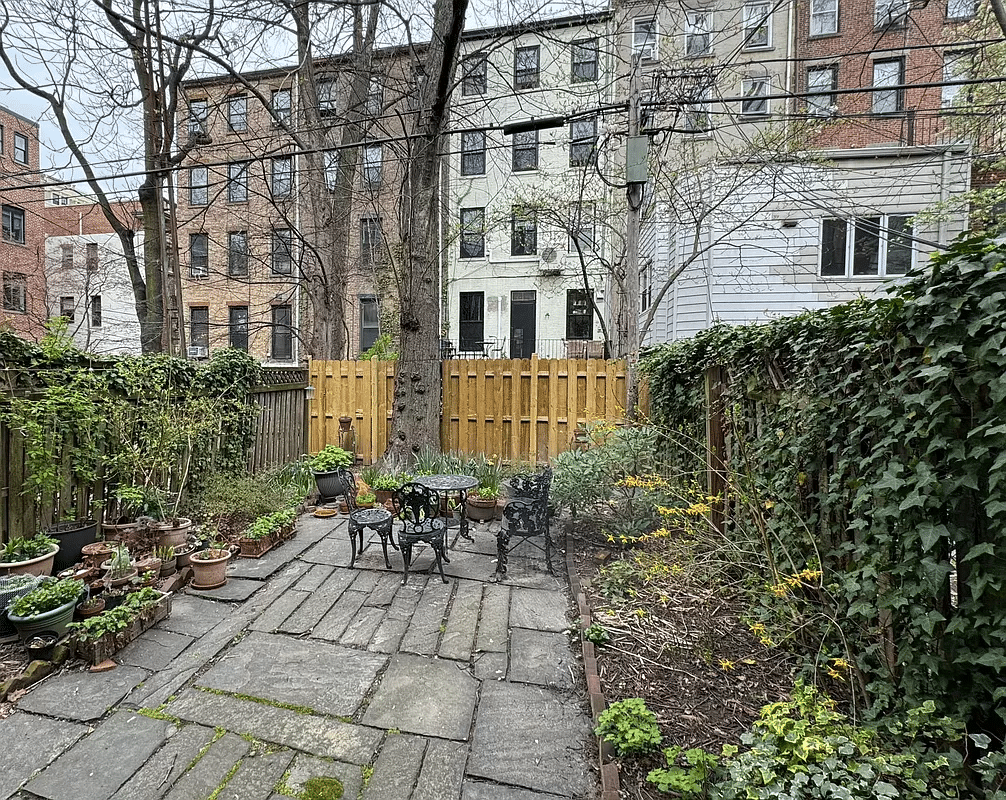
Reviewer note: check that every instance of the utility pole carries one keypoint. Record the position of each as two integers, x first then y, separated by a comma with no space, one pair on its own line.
635,183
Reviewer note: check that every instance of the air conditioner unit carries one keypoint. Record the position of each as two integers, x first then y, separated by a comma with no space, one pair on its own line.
198,352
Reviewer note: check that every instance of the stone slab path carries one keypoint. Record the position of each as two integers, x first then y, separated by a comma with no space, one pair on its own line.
301,670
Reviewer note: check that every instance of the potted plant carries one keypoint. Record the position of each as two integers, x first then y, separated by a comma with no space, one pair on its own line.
481,503
97,552
325,465
383,486
209,567
119,569
90,607
11,588
183,554
99,637
266,532
28,556
168,560
366,500
72,536
48,607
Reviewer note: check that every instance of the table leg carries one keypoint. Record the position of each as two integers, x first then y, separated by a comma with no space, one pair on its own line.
462,498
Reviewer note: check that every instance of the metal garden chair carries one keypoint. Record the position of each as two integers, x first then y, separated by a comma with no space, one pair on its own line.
379,520
418,507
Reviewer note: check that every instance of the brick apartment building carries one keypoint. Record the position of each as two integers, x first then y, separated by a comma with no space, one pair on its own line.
21,245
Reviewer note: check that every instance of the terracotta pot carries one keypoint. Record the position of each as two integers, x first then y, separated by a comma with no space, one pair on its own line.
183,556
169,567
40,565
172,535
91,608
480,510
117,532
95,553
209,568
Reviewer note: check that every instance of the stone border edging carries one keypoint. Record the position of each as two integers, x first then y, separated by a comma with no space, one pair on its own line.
607,767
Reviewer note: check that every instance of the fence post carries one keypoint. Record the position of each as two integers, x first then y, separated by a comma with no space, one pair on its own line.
716,479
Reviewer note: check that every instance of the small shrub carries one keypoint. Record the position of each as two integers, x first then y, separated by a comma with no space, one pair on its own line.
619,579
596,634
330,458
688,780
629,726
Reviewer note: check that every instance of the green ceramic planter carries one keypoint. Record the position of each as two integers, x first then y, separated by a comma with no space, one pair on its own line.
55,621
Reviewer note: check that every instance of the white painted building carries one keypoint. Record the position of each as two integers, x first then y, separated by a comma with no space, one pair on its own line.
515,282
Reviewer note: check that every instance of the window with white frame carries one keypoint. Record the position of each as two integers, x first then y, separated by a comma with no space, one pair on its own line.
875,246
66,307
373,164
523,232
237,253
237,183
237,113
822,90
237,318
15,292
579,315
474,72
331,167
525,151
328,97
890,13
888,77
199,113
645,33
199,194
199,255
13,224
282,251
282,333
473,233
582,141
473,153
375,95
823,17
21,148
961,9
697,117
370,321
698,33
581,228
583,61
757,26
526,65
199,326
755,94
282,105
471,321
91,257
957,66
95,310
66,257
282,176
371,251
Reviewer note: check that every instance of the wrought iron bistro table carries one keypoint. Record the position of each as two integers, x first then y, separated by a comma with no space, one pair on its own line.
445,485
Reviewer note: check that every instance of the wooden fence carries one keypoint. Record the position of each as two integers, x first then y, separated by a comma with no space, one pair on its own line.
281,430
520,409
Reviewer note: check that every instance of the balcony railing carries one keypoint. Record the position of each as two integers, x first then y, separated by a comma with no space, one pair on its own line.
543,348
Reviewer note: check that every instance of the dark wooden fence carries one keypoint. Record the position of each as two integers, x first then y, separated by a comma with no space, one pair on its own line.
281,432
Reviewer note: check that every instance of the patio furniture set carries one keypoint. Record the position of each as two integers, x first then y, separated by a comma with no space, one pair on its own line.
417,510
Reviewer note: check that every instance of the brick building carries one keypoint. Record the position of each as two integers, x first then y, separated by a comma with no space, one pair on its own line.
21,245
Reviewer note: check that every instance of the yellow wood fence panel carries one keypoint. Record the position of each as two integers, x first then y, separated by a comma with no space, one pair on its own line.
518,409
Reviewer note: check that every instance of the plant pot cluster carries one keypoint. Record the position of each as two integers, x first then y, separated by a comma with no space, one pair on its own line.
266,532
102,633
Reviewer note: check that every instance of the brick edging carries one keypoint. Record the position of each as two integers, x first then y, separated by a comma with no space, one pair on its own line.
607,768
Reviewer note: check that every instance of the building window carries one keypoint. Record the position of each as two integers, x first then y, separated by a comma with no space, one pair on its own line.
238,327
958,9
644,38
237,113
866,246
473,233
66,256
957,66
3,137
370,241
15,292
525,67
579,315
66,307
21,148
474,70
375,95
523,233
698,114
581,227
13,224
525,151
888,73
91,257
328,97
198,115
582,141
199,252
199,326
473,153
471,321
757,26
645,286
373,157
282,105
237,253
237,183
822,91
370,322
583,61
282,251
331,167
890,13
282,333
95,310
755,93
698,33
282,176
823,17
199,193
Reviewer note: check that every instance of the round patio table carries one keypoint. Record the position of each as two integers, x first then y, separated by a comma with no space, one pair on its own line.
447,484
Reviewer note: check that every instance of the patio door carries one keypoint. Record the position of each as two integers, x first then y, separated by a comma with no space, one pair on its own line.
523,311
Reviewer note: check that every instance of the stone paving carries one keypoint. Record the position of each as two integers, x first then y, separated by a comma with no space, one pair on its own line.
301,669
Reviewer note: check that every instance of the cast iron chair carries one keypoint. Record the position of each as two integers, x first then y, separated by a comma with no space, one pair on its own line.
379,520
417,507
525,516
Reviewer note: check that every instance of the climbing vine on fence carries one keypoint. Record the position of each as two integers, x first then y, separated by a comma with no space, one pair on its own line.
874,437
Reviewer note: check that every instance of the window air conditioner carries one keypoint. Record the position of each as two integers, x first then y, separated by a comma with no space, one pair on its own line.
197,352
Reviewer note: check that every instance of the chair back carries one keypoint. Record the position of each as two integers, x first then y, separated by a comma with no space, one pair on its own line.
532,485
415,503
525,516
346,486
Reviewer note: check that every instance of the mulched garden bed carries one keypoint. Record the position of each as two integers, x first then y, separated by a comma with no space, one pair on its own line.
680,646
